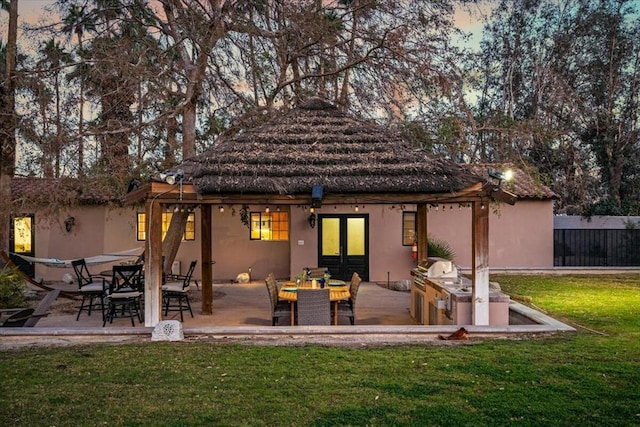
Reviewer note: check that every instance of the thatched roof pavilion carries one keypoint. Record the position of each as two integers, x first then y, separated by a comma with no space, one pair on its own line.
316,144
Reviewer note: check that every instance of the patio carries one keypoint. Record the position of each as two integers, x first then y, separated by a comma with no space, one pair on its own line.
242,314
247,304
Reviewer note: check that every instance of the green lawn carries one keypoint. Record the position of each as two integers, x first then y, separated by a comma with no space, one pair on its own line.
584,379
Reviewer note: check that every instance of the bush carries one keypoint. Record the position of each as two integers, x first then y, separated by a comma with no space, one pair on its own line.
12,288
439,249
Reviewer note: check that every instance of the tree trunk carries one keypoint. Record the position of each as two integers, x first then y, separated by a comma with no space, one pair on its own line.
172,239
8,126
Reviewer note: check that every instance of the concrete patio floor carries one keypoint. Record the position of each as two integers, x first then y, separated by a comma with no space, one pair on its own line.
241,312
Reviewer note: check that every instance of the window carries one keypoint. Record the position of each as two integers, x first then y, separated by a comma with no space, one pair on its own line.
189,231
408,228
270,226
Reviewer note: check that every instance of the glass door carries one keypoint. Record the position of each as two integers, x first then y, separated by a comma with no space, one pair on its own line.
22,242
343,245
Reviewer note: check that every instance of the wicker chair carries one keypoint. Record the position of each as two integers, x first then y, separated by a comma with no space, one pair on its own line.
278,308
348,308
314,307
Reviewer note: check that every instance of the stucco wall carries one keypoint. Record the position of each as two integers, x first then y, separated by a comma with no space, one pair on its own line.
521,236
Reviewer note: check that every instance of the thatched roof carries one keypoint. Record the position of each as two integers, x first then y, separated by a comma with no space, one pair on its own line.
316,143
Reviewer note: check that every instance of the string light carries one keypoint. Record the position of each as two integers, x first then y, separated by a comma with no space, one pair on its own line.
221,208
266,209
356,208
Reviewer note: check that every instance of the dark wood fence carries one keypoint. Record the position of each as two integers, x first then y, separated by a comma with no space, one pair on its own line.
596,247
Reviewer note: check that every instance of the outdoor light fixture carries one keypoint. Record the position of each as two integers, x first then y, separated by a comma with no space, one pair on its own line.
173,178
497,192
316,196
221,208
312,220
506,175
69,223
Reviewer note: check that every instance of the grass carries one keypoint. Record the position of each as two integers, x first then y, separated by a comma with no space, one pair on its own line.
586,379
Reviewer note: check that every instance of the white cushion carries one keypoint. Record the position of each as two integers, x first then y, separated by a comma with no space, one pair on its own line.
92,287
124,295
173,287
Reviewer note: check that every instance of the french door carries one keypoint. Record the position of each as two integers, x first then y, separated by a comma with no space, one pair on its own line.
343,245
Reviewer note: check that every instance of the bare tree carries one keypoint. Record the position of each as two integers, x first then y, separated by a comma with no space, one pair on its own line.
8,121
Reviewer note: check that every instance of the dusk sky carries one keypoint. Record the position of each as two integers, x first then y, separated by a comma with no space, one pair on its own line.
31,11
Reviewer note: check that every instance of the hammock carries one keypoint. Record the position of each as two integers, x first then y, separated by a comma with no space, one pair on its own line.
94,260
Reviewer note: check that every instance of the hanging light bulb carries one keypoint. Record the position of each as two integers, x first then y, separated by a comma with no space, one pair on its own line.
221,208
357,208
312,209
266,209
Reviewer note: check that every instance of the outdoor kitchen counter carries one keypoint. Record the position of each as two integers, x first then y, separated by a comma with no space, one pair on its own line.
460,289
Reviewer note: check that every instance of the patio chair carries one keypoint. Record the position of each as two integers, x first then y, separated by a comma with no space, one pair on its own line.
348,308
175,292
91,289
28,317
314,307
125,293
278,308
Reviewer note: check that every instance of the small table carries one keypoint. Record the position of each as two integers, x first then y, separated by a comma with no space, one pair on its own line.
338,291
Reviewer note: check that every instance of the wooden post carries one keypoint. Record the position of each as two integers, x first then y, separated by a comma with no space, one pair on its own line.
153,265
207,273
421,231
480,263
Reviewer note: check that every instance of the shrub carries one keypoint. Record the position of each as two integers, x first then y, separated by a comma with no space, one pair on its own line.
12,288
440,249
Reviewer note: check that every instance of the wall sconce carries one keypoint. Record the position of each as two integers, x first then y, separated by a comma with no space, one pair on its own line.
312,220
69,223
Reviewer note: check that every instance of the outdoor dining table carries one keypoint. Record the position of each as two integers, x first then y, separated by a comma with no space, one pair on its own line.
338,291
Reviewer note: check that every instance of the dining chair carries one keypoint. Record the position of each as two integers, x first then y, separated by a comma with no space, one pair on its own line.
314,307
278,308
125,293
91,289
348,308
175,292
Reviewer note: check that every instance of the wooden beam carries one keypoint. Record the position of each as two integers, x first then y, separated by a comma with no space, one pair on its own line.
421,231
153,264
480,263
205,250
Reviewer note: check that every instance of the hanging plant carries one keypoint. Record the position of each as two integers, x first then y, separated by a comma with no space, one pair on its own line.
244,215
